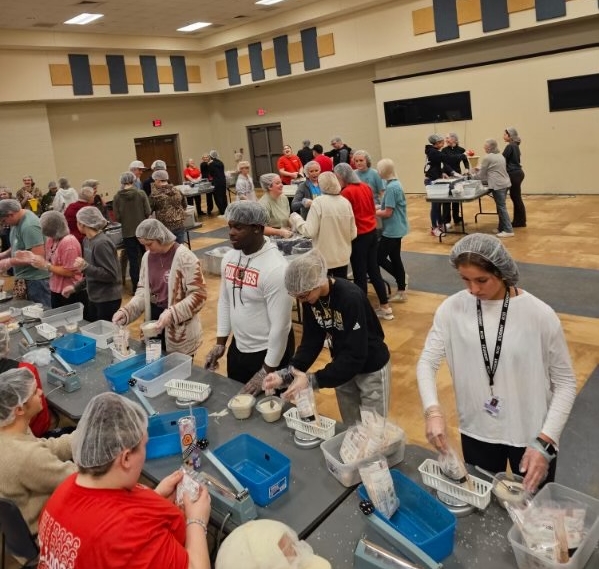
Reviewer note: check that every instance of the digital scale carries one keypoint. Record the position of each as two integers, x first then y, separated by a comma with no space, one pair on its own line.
66,378
228,505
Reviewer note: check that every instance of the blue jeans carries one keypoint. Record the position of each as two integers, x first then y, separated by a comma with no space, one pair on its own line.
39,291
504,217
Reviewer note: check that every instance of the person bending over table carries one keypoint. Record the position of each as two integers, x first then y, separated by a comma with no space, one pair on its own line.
171,290
30,468
338,310
102,517
507,355
253,304
276,205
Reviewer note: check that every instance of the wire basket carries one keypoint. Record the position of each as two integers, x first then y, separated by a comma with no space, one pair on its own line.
185,389
324,432
432,476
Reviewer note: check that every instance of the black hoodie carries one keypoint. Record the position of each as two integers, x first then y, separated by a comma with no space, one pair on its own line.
434,167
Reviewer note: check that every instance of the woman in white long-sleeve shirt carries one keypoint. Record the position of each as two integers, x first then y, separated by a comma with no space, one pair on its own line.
512,403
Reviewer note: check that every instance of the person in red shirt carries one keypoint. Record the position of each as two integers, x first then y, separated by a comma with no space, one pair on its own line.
289,166
326,164
192,174
86,197
102,517
364,247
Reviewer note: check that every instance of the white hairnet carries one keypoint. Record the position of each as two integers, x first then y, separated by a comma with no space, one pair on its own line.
127,178
154,230
54,224
9,206
247,213
90,216
434,138
110,424
16,387
328,183
267,544
4,341
346,174
213,154
136,164
160,175
158,165
266,180
306,273
491,249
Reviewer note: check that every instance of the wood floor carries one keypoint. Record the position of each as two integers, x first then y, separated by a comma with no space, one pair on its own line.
562,231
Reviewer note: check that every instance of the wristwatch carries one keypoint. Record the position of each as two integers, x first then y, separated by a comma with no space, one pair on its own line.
548,447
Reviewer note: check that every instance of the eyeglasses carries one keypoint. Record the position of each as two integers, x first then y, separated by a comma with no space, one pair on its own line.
302,296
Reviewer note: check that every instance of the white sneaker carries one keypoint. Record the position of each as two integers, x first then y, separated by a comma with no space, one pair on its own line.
448,226
384,313
399,296
436,232
505,234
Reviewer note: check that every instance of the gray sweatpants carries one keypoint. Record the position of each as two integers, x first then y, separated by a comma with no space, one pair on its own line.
368,389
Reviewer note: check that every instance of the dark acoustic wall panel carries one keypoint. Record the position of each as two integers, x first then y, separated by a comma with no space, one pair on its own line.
281,46
445,13
149,73
81,74
549,9
256,64
117,74
180,82
233,66
310,49
495,15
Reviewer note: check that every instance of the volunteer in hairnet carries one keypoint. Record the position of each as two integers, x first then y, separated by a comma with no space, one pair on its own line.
102,517
338,310
30,468
171,289
253,304
267,544
511,370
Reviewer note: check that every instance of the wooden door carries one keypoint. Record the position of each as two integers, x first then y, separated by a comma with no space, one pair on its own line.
266,146
160,148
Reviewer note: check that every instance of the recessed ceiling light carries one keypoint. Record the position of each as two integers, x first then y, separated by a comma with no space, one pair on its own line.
268,2
194,27
83,19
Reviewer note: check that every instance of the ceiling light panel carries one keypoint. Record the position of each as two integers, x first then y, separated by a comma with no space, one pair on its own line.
84,19
194,27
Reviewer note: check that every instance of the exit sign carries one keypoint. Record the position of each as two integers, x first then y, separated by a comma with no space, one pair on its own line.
261,112
157,122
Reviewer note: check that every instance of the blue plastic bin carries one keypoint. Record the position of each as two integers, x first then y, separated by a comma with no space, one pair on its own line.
263,470
75,348
420,517
163,431
118,375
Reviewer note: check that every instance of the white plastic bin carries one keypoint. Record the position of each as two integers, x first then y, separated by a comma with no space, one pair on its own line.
151,379
437,191
101,331
69,314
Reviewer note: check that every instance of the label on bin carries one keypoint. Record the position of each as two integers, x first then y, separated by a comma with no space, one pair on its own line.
277,487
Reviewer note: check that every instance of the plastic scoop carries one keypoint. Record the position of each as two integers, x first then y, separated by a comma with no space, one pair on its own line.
510,489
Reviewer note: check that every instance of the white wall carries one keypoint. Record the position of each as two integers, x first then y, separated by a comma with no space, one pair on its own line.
557,148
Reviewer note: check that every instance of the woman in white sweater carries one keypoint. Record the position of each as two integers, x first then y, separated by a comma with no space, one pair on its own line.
511,370
330,224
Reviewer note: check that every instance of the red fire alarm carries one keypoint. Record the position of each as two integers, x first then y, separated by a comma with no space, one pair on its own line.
261,112
157,122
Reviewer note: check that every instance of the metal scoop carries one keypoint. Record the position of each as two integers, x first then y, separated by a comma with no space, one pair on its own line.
510,489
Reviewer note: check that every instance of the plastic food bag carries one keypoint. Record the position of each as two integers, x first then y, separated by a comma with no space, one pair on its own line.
39,358
354,444
189,486
453,467
379,485
306,406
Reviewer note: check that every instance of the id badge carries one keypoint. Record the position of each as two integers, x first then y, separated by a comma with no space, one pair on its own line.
493,405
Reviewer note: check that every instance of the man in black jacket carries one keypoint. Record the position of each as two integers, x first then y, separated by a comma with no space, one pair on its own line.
341,152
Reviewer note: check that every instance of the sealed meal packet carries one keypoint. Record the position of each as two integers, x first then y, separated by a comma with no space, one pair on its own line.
453,467
379,485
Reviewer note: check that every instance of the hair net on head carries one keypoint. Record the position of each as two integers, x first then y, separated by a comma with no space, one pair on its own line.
16,387
453,135
109,425
434,138
491,144
328,183
158,165
513,134
160,175
52,185
91,183
86,194
306,273
90,216
213,154
306,142
127,178
137,164
4,341
154,230
489,248
63,183
346,173
266,180
267,544
54,224
9,206
247,213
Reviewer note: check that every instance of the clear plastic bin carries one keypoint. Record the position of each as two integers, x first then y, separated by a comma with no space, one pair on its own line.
564,496
101,331
190,217
214,258
69,314
151,379
348,474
